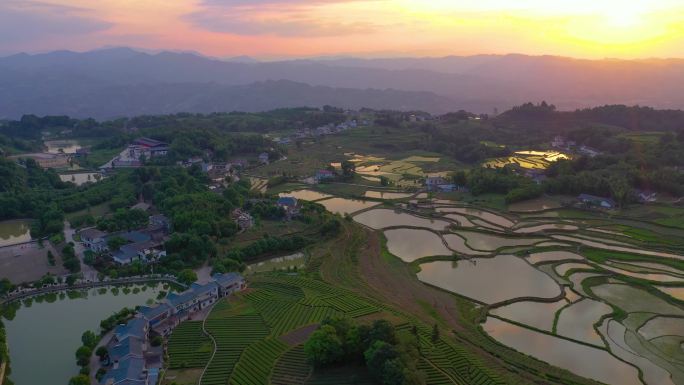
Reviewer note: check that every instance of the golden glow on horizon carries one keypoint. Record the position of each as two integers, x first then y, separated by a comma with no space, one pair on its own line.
278,28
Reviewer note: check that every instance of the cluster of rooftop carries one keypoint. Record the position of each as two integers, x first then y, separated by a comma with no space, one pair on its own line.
132,359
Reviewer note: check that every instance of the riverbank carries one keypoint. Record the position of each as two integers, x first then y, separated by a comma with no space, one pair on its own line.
88,285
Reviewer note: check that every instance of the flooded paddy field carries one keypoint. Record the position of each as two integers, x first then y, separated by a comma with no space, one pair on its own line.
346,206
382,218
479,279
306,195
599,322
413,244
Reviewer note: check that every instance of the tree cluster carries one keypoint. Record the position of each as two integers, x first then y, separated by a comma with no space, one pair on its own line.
390,357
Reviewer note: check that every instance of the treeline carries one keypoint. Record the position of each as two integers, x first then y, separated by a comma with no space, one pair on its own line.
391,357
504,181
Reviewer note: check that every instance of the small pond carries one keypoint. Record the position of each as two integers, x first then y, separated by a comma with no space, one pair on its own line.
45,332
15,231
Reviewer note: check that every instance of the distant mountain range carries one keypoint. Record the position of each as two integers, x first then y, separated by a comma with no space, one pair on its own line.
124,82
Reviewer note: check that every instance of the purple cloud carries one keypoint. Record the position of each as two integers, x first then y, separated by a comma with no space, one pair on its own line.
24,21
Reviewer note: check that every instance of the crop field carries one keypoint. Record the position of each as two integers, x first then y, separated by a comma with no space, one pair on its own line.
539,160
188,347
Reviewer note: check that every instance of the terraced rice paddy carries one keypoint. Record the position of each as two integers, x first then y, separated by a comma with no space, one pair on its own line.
546,227
382,218
488,242
551,256
570,322
533,205
413,244
306,195
346,206
496,219
528,159
481,280
577,321
539,315
581,359
386,195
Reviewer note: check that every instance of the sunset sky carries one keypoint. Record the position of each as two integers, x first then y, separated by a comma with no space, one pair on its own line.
272,29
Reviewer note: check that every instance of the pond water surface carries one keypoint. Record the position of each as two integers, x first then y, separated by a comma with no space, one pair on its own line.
44,336
15,231
482,279
580,359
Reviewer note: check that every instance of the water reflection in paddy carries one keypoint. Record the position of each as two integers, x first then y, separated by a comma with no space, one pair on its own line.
386,195
600,245
662,326
457,244
563,268
15,231
632,300
580,359
674,292
548,226
539,315
306,195
577,320
614,333
486,215
549,256
346,206
412,244
483,241
482,279
462,220
381,218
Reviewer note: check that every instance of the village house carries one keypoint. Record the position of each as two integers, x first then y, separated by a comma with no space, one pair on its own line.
243,219
145,251
132,359
592,200
263,158
94,239
589,151
289,204
323,175
646,196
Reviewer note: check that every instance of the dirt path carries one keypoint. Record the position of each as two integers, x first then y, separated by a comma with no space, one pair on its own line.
399,286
